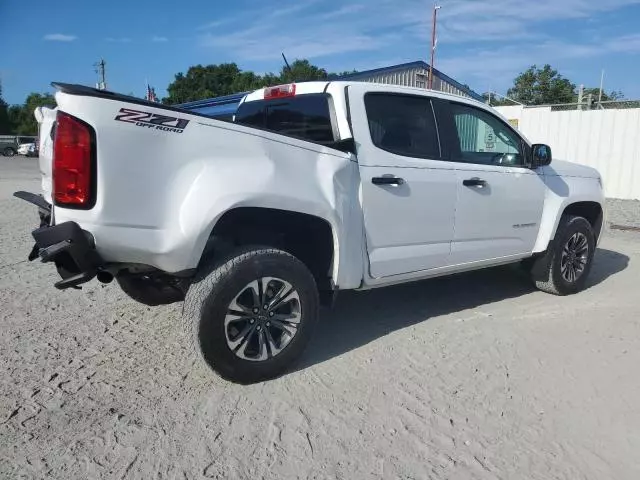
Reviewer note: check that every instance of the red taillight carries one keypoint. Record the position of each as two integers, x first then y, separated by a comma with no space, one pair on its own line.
73,150
280,91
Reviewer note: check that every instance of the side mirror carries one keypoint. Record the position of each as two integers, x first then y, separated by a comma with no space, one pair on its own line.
541,155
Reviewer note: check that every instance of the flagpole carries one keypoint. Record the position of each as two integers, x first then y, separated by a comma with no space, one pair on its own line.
433,44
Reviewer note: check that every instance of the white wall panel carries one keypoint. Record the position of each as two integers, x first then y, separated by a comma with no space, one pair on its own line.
608,140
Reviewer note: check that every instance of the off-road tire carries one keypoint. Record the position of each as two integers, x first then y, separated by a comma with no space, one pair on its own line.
216,285
546,269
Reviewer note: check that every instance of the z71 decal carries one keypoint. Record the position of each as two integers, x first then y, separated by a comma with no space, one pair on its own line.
152,120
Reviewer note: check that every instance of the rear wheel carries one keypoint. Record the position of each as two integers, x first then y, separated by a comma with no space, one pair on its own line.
564,269
9,152
252,313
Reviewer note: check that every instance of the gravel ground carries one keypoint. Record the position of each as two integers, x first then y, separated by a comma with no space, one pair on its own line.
474,376
623,212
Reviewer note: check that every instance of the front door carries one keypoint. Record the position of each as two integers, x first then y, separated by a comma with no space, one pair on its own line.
500,199
408,193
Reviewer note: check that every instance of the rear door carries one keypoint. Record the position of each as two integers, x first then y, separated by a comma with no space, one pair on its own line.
500,199
408,192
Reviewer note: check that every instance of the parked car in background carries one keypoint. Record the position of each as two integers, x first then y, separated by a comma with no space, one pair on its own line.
9,144
28,150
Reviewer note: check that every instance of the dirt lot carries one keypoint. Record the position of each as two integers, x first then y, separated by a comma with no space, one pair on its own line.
477,376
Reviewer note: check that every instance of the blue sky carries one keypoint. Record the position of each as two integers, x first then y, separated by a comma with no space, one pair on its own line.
482,43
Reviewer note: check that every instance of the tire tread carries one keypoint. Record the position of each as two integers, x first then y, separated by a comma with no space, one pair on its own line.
548,281
208,282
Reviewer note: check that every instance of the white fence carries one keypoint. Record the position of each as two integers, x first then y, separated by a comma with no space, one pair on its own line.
608,140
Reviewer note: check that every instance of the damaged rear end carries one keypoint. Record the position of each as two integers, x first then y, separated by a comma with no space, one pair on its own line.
68,167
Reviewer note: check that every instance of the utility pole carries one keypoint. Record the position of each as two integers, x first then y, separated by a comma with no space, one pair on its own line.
100,70
434,41
601,87
580,96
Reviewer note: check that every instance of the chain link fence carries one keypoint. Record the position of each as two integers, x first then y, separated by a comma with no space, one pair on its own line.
619,104
594,105
587,104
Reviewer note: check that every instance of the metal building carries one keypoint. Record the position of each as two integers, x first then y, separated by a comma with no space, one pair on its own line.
413,74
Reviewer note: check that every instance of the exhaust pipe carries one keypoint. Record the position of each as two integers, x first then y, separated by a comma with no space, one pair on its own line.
104,276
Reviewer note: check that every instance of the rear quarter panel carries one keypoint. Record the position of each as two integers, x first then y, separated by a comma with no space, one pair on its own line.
160,193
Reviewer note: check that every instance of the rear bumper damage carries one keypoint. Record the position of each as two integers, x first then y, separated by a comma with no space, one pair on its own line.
70,248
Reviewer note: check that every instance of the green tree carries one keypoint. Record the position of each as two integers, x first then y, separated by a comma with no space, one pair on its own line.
21,116
269,79
14,112
302,71
5,122
542,86
209,81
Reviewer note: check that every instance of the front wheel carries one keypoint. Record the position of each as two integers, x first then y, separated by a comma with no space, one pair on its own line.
9,152
565,267
252,313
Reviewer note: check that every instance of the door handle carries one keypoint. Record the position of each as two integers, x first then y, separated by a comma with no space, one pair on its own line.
474,182
387,180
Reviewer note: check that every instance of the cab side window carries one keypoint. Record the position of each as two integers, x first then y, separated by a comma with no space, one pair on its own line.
483,138
402,124
307,117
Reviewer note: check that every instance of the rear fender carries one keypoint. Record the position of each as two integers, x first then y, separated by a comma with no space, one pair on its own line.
281,178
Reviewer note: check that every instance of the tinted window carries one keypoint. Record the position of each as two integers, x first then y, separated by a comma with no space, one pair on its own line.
252,114
402,124
305,116
483,138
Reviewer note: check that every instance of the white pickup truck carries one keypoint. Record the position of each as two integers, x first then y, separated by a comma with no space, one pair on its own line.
314,188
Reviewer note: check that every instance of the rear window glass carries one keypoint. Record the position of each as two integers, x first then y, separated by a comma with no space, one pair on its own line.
307,117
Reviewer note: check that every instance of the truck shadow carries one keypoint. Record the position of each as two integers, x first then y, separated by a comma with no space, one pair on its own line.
362,317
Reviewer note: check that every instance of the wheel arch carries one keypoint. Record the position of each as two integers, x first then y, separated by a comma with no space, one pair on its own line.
591,210
311,238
